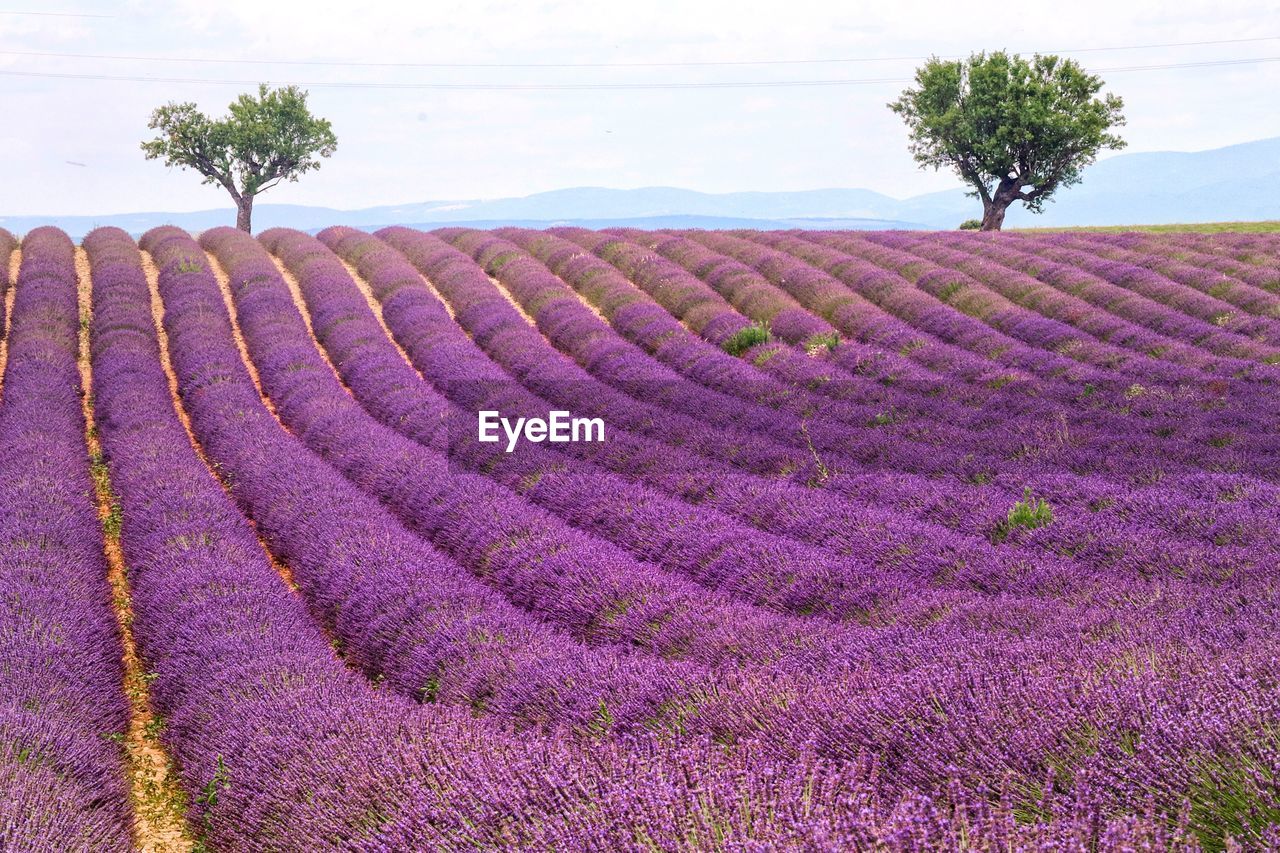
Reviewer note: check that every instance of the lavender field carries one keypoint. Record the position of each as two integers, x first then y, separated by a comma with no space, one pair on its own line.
895,541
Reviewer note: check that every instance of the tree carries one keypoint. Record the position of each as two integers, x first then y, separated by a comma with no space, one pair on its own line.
264,140
1015,130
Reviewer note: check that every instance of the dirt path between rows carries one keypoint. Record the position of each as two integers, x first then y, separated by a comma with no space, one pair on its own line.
15,262
228,301
159,803
376,307
157,315
300,302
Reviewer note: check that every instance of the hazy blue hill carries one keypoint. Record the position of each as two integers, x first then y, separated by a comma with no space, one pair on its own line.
1239,182
581,204
705,222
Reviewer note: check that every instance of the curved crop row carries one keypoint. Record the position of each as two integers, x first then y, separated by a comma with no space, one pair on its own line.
984,419
241,677
836,423
715,550
806,514
1260,270
285,345
1248,292
975,299
985,507
866,725
931,447
63,709
517,346
1140,308
927,312
400,610
1256,336
580,584
883,252
781,665
1086,664
278,742
1116,400
1028,291
761,301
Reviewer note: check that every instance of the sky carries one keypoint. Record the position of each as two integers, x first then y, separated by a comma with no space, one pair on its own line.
78,87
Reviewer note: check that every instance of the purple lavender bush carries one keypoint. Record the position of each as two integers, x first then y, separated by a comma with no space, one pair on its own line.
895,541
63,711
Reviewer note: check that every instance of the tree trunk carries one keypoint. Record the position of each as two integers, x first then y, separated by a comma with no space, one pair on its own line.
993,214
244,213
993,211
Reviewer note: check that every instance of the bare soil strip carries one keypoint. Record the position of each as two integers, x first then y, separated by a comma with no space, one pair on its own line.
295,290
355,275
224,287
159,804
529,318
157,314
511,300
376,307
586,303
15,261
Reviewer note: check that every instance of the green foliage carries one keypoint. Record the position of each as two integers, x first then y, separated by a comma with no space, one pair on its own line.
818,341
745,338
264,140
495,264
112,518
601,721
208,796
1225,801
154,728
766,356
1030,513
971,225
1013,129
1027,514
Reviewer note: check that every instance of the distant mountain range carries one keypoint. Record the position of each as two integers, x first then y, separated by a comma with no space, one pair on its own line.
1239,182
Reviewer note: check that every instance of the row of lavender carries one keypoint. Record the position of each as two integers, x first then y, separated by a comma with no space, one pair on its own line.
626,612
1103,510
1198,678
62,703
835,713
1036,441
758,782
279,741
1157,772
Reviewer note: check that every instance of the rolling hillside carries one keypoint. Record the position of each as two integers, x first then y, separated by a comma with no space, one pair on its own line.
1239,182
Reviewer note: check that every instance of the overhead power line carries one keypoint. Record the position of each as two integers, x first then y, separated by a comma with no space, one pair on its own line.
572,87
500,87
1205,64
55,14
695,64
